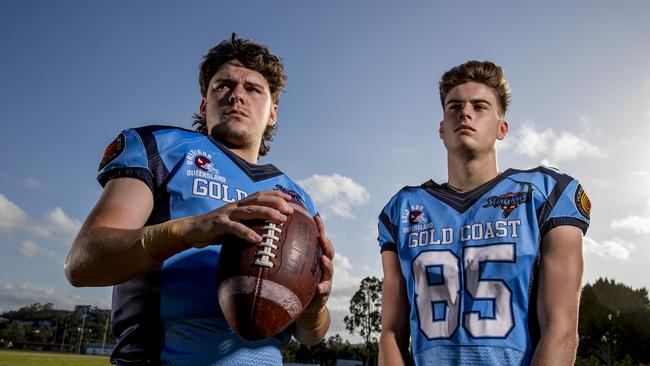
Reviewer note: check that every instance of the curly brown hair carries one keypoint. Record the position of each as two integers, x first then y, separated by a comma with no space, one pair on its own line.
253,56
484,72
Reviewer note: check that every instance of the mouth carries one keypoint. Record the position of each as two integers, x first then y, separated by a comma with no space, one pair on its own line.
462,128
236,113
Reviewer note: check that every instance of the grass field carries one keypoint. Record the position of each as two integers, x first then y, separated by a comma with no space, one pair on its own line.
21,358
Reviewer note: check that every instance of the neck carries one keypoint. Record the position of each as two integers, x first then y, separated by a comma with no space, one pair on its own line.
246,154
466,174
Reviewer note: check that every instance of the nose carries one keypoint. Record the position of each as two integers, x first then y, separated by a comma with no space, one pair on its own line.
237,94
466,111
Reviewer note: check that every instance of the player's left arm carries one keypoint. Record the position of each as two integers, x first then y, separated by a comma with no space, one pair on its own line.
558,298
314,322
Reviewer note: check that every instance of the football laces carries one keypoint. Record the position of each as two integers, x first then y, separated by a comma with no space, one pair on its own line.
267,244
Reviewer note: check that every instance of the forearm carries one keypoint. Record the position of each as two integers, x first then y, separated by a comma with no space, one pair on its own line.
102,256
311,328
391,351
556,347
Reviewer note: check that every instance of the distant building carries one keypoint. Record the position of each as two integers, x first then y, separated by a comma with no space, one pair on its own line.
96,349
349,363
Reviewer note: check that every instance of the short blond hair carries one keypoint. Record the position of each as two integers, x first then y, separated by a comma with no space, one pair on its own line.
484,72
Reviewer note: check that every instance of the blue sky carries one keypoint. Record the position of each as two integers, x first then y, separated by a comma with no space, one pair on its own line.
358,119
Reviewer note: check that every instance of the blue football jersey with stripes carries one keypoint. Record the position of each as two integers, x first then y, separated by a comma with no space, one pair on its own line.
171,315
470,262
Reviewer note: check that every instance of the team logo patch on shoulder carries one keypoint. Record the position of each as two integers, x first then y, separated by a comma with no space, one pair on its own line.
113,150
511,200
583,204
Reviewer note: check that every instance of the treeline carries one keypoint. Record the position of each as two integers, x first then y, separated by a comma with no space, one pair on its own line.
38,325
327,352
614,327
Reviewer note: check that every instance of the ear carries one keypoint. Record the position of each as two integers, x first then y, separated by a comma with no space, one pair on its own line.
441,129
202,107
273,115
502,130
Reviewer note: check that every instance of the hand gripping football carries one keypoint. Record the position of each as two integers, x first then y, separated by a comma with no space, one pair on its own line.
263,288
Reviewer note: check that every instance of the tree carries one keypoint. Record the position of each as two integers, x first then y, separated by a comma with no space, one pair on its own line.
614,323
365,312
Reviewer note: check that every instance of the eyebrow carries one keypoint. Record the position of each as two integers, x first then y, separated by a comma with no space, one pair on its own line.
473,101
248,82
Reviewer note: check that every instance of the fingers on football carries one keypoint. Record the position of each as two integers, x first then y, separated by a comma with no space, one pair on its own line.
325,285
274,199
325,243
257,212
243,231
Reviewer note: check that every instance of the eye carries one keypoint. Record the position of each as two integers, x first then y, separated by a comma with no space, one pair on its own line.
220,86
253,89
480,107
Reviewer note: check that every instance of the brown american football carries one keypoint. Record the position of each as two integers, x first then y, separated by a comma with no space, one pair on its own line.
263,288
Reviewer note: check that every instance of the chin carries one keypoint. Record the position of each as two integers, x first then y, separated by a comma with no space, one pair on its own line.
230,136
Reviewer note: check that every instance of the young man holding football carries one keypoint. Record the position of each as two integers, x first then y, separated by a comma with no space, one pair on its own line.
170,196
486,268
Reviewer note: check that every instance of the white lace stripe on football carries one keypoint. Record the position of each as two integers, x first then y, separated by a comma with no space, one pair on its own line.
271,291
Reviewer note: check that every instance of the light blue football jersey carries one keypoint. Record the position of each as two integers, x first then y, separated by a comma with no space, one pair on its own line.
171,315
470,262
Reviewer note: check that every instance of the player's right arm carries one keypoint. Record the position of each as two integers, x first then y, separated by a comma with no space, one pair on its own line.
395,334
114,246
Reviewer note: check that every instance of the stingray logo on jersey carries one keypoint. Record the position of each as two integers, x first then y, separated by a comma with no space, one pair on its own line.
291,193
509,201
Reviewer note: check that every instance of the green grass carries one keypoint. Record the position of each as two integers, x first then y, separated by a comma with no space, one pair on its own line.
26,358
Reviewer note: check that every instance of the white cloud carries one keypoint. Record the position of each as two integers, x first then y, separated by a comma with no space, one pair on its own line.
549,146
336,193
57,224
30,249
638,224
11,216
32,183
344,286
615,248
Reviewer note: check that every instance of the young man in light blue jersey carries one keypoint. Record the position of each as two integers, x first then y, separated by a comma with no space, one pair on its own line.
486,268
170,196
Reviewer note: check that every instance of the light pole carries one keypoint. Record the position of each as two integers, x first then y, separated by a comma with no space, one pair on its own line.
105,330
81,330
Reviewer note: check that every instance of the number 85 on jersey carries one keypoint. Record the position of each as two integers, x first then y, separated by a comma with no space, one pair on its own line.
439,298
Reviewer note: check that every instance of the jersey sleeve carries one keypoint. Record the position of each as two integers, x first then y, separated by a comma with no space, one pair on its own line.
388,226
127,157
572,208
